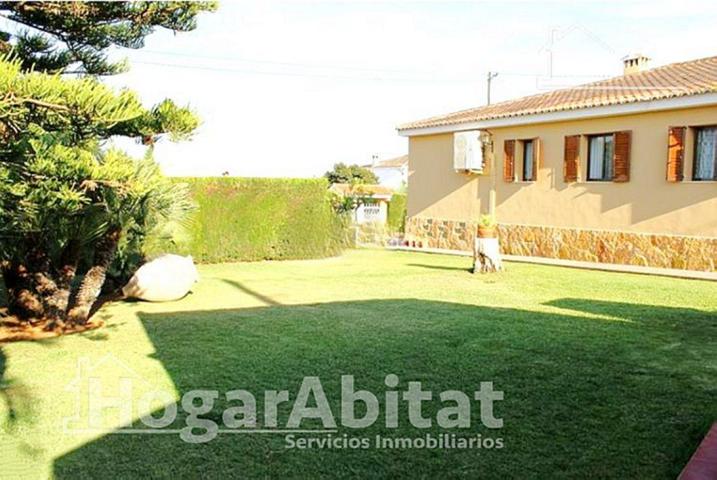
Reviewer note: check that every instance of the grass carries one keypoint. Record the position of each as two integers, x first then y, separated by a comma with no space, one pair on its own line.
605,375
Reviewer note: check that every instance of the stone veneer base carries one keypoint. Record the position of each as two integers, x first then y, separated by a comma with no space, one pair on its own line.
603,246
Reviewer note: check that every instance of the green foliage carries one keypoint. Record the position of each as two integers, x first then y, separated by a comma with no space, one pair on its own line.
81,110
64,200
53,172
75,36
342,205
34,103
62,196
179,122
487,221
159,223
353,174
397,213
245,219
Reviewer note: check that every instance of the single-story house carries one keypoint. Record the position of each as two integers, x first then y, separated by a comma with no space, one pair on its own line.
392,172
371,201
622,170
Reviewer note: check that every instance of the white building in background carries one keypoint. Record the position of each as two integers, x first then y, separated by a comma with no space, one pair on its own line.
392,173
371,201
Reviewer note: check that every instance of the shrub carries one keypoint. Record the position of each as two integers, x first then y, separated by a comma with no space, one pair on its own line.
487,221
246,219
397,213
64,196
353,174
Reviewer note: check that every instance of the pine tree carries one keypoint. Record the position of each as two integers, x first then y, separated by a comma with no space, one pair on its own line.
65,201
62,196
73,37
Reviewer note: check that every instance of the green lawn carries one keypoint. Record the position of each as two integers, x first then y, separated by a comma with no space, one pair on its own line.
605,375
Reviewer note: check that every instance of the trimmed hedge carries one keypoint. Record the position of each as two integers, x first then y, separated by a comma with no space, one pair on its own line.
397,213
246,219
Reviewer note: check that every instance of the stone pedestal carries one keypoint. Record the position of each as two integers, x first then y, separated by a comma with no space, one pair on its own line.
486,255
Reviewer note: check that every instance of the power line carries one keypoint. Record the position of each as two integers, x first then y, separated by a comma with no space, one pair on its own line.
296,74
341,76
281,63
342,67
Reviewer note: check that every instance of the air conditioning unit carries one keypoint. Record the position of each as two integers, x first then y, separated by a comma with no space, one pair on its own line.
468,152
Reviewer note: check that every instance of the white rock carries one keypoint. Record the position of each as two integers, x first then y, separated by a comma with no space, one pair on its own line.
166,278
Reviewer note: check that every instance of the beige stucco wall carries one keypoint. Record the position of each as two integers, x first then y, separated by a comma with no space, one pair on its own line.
647,203
434,188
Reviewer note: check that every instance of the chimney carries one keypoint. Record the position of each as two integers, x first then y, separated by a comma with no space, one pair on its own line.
635,63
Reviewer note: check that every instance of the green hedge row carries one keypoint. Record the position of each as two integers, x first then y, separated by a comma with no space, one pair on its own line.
246,219
397,213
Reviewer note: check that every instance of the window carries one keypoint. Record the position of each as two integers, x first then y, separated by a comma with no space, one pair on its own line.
705,167
600,158
528,161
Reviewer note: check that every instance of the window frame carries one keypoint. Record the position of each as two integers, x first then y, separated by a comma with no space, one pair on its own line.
695,150
590,137
530,160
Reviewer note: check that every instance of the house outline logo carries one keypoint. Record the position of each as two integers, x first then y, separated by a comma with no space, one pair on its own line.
90,383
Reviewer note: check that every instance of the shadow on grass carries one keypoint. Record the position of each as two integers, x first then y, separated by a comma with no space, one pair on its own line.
259,296
17,400
4,387
584,396
688,317
440,267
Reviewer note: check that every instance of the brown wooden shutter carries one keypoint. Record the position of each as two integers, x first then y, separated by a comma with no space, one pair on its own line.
509,160
572,158
621,157
675,153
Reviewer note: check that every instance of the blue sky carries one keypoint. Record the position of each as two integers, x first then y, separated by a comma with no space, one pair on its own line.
289,88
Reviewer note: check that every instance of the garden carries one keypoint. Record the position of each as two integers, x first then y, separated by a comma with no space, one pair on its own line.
600,375
604,375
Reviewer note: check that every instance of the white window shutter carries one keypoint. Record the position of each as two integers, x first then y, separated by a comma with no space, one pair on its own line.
460,141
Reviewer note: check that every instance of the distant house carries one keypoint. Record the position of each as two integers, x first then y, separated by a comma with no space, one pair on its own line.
622,170
391,173
371,201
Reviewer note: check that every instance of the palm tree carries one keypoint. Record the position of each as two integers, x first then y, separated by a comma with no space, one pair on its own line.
144,206
64,201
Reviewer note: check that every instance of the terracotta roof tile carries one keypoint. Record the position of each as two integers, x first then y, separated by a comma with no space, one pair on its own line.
392,162
675,80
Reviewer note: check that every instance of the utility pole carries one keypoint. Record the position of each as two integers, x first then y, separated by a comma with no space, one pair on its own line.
492,172
491,76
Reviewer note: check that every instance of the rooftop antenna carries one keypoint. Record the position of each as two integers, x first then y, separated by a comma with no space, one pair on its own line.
549,49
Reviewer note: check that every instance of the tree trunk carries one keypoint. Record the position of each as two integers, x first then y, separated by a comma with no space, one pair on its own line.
43,280
23,300
486,255
57,300
35,289
95,277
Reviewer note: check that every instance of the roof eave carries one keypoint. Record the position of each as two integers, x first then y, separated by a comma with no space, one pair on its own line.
691,101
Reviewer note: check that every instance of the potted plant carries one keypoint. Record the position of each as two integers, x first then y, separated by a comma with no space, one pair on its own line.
487,226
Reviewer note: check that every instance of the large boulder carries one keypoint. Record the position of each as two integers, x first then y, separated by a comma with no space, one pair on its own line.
164,279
